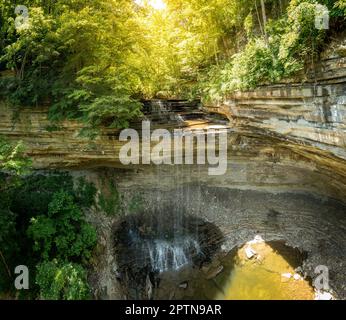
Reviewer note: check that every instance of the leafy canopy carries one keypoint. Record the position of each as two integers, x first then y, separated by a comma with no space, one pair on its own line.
96,59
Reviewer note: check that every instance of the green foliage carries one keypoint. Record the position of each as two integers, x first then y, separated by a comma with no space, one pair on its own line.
340,8
94,60
73,57
61,238
110,201
37,191
62,281
112,111
41,219
291,41
12,158
13,163
63,233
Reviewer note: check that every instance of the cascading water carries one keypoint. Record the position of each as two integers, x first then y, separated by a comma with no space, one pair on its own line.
164,251
174,244
167,237
174,112
166,255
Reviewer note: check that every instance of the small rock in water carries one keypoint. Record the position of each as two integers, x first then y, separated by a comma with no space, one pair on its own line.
285,277
297,276
256,240
250,253
183,285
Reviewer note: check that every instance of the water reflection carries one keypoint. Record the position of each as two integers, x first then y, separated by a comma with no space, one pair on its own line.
262,272
257,271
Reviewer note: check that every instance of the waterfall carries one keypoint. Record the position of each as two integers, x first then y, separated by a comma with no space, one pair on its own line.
169,236
171,255
166,239
166,112
174,246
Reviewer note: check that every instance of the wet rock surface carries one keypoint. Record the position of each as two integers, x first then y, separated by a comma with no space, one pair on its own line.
148,245
286,177
311,222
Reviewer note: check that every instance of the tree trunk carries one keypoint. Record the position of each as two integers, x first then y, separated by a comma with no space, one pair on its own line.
264,20
259,19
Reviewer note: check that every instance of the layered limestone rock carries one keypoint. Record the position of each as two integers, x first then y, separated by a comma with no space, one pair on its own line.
286,159
257,158
289,125
307,117
251,199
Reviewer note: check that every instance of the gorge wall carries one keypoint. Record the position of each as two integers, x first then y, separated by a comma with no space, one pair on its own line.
303,122
307,117
286,177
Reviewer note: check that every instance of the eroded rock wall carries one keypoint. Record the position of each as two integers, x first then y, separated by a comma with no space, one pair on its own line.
274,209
278,128
286,160
307,117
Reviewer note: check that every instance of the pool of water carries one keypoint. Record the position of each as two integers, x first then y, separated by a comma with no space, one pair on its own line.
268,275
257,271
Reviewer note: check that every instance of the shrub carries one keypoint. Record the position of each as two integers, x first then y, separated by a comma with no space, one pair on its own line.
340,8
291,41
62,281
110,203
63,233
36,192
13,163
12,158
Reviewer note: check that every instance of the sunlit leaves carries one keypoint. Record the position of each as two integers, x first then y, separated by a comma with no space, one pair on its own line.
62,281
12,157
94,60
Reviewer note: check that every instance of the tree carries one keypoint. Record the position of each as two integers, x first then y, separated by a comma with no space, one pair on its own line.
264,15
62,233
62,281
13,163
96,60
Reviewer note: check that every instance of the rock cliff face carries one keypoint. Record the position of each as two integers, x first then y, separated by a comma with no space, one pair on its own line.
293,124
286,159
307,117
311,111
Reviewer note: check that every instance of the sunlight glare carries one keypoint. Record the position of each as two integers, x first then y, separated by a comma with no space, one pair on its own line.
156,4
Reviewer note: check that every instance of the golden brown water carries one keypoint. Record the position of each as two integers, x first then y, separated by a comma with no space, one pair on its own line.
261,278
